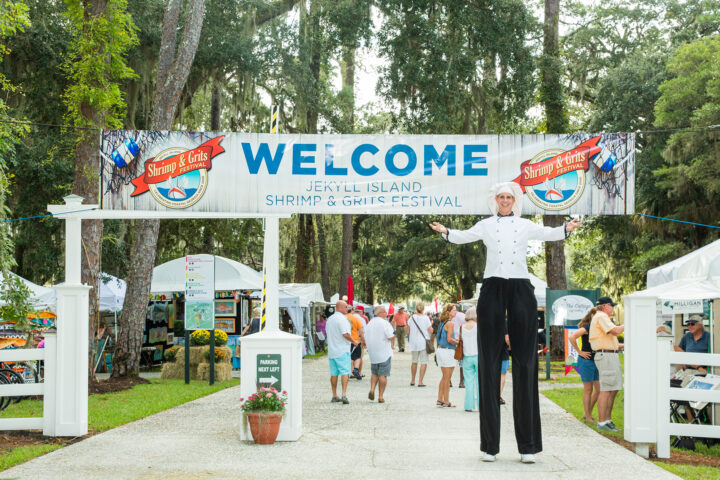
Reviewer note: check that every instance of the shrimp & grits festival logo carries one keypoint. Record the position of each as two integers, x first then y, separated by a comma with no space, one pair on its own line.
177,177
554,179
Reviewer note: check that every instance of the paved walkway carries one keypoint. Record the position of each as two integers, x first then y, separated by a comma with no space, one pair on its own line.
405,438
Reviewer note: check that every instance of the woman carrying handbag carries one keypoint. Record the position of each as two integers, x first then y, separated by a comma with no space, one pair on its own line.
445,355
419,343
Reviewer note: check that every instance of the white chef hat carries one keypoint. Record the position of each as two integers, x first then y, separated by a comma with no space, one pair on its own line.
506,187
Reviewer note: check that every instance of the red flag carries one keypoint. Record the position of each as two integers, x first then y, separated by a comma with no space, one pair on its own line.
436,307
350,291
391,309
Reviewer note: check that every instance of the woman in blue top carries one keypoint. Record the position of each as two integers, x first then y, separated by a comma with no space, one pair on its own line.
445,354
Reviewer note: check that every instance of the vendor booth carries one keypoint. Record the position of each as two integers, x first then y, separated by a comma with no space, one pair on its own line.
237,286
312,303
689,285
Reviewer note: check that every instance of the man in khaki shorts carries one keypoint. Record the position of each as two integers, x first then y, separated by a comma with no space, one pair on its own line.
603,340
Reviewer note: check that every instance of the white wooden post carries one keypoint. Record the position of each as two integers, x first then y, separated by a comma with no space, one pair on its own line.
71,360
663,399
50,380
640,367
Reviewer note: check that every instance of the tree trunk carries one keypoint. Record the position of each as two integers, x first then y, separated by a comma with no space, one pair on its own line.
348,77
174,62
215,107
304,247
346,255
131,323
322,251
555,256
556,121
551,88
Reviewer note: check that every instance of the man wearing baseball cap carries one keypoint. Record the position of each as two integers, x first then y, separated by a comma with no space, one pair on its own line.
696,340
604,342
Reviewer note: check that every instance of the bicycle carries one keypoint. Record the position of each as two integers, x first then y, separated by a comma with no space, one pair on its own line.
28,370
9,376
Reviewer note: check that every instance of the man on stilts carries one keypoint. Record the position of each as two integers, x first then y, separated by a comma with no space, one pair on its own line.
506,288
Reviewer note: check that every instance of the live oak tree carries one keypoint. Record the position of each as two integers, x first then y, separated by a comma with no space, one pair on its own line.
174,62
102,32
13,19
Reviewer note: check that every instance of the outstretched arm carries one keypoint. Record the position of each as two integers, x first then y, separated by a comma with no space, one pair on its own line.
473,234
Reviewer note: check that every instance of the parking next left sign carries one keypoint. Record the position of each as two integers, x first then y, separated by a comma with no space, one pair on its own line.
269,369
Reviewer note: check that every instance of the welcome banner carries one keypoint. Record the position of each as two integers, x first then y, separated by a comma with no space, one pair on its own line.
383,174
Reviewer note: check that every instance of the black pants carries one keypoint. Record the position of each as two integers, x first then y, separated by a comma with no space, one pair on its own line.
517,297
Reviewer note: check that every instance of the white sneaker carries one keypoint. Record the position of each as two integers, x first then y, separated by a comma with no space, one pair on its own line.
488,458
527,458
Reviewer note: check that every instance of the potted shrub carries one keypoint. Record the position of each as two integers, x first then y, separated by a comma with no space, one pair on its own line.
264,411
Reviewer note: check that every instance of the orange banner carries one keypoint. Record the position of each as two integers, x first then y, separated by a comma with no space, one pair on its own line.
576,159
161,170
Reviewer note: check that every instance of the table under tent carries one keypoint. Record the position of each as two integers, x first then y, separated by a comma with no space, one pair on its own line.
312,303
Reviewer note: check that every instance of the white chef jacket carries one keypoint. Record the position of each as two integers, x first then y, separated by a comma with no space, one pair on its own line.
506,239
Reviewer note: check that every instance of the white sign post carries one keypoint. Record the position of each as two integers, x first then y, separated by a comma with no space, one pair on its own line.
274,341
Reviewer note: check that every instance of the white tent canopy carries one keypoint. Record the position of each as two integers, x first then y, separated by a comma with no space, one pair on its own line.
42,298
682,289
307,292
537,283
229,275
701,264
112,293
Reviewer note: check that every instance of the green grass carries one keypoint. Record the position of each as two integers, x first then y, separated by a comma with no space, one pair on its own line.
570,399
111,410
557,368
23,454
694,472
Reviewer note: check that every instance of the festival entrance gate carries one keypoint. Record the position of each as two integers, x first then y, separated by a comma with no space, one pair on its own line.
152,174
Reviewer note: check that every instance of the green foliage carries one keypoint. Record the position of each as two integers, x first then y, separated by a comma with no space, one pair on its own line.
450,72
221,355
171,353
690,175
96,62
13,19
402,257
265,400
202,337
15,296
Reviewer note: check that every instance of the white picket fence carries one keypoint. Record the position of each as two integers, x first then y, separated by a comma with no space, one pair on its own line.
46,388
666,357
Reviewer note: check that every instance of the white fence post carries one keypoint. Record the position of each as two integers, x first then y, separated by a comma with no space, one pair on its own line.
662,443
50,380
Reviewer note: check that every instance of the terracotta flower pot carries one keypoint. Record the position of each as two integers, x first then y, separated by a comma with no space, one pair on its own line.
264,426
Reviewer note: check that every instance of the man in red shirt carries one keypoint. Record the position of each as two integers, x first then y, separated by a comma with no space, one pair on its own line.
400,323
